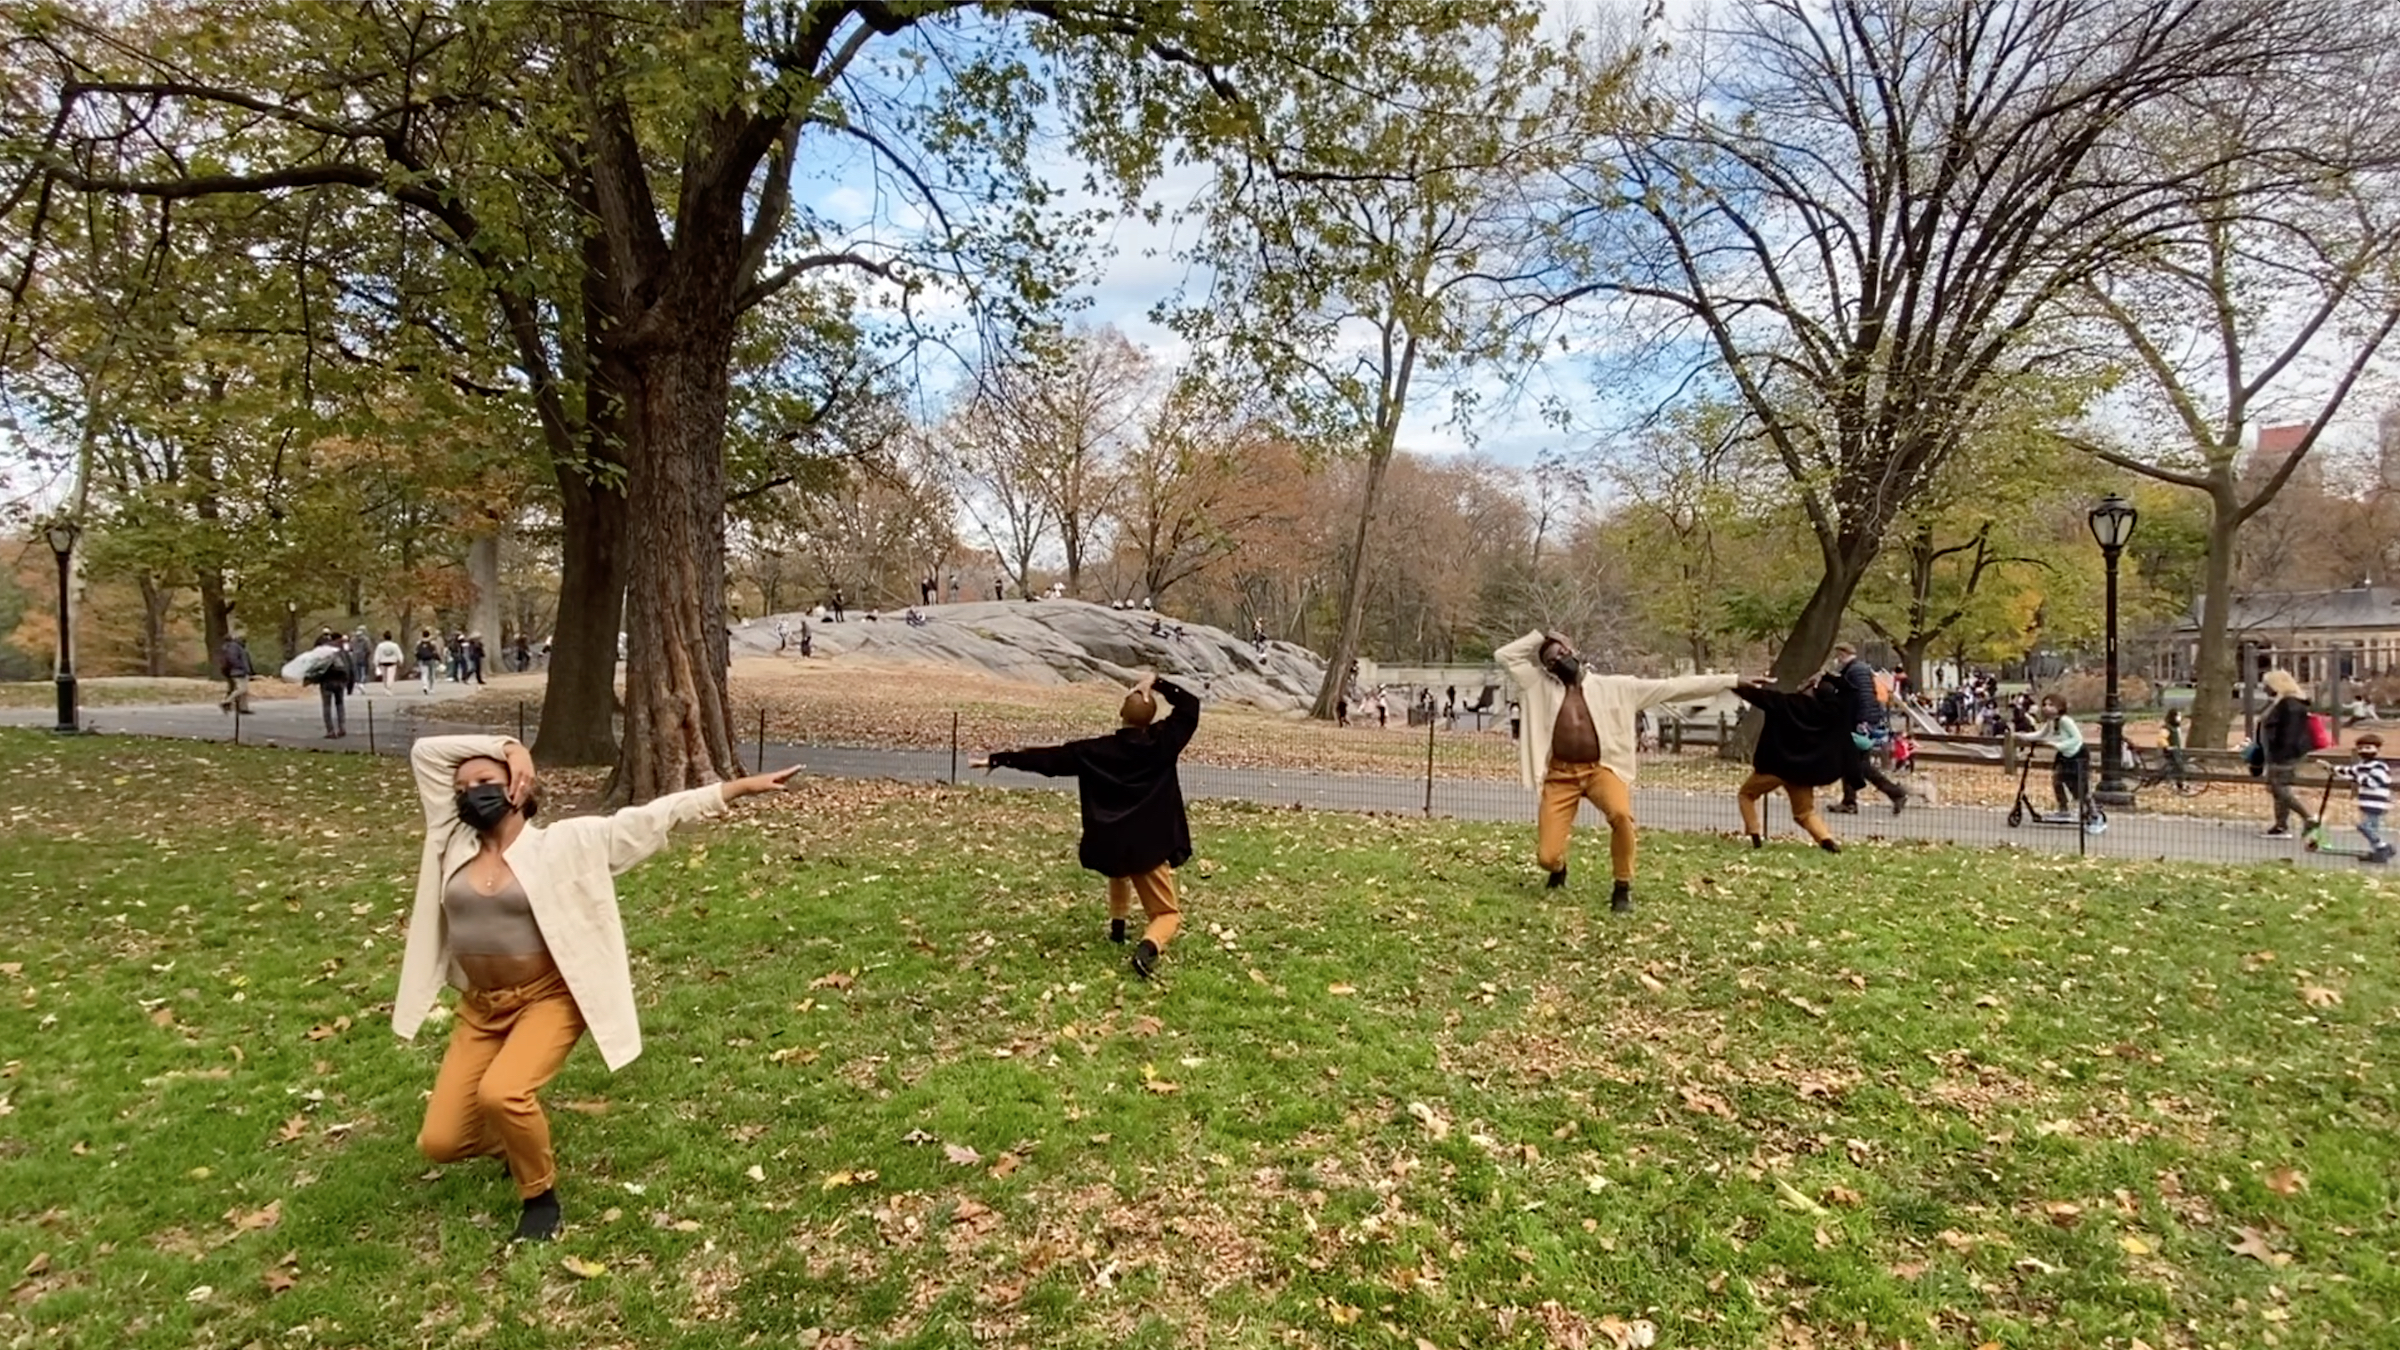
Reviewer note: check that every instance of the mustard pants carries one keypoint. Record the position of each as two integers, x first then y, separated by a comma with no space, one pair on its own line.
507,1046
1804,805
1156,890
1565,788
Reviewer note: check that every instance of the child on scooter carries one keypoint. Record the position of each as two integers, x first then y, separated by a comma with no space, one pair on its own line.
2373,779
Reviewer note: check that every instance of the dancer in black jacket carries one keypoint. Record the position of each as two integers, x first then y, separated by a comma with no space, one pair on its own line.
1134,829
1804,744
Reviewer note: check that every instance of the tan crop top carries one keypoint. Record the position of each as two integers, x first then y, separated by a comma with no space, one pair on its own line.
499,924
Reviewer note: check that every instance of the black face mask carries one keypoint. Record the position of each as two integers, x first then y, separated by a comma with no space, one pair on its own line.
1568,669
483,807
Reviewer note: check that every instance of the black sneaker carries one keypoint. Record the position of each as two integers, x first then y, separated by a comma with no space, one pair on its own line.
1620,897
1557,880
1899,800
1844,808
1830,845
1758,841
540,1221
1116,931
1145,958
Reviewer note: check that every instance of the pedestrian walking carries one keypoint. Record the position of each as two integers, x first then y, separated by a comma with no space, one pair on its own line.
2372,778
1135,831
524,655
458,658
429,658
333,682
523,919
954,586
1577,742
362,657
2285,737
808,640
387,660
1866,715
233,662
475,656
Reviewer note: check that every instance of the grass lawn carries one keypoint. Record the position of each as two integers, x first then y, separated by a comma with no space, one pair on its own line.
900,1091
117,691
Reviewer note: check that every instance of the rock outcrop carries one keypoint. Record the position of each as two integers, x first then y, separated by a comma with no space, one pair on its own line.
1061,642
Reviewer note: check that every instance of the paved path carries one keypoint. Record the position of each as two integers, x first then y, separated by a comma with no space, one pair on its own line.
398,719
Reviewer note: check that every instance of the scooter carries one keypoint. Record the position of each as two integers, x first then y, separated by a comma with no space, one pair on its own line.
2092,820
2318,835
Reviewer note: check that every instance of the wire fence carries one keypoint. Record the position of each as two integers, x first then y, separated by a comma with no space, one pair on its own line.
1965,790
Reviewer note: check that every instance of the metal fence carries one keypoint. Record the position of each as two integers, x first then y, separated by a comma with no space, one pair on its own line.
1964,790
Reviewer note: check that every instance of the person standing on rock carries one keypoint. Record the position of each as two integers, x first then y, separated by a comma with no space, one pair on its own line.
387,661
1135,831
837,604
808,640
954,585
999,588
1577,742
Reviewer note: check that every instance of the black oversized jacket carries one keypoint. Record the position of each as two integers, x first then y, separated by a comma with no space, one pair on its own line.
1805,739
2284,732
1133,816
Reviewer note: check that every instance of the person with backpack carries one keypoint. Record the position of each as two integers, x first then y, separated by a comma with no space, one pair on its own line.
429,657
1860,681
333,683
1135,831
2286,735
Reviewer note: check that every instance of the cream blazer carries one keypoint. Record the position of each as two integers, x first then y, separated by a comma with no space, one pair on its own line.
1613,700
568,870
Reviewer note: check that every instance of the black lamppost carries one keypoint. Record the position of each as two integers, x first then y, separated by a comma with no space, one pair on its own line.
2112,525
62,537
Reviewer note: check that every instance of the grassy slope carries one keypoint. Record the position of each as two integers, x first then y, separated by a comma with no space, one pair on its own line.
1390,1094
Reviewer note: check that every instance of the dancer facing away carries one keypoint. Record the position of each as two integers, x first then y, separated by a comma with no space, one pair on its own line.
1578,742
1803,744
1135,832
522,919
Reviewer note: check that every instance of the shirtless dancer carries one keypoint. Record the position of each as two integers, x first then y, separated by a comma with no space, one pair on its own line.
1578,742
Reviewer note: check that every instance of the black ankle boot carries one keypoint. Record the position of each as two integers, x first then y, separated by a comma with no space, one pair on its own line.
1758,841
1116,931
1557,879
1620,897
540,1221
1830,845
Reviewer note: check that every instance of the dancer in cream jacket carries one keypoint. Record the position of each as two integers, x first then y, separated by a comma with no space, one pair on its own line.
1578,742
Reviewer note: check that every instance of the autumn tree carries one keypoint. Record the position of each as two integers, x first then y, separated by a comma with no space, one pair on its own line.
1858,220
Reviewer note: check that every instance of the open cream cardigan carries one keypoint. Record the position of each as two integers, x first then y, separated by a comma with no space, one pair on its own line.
569,873
1613,700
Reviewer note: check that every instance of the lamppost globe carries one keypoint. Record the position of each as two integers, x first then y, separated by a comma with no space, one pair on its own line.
62,536
2112,523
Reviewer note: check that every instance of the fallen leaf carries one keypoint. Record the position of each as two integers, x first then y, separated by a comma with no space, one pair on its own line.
1146,1025
2318,996
2036,1265
596,1107
279,1280
837,1180
2134,1245
40,1264
793,1054
1340,990
839,979
164,1017
1162,1087
2285,1181
1790,1197
2064,1213
582,1269
294,1129
1650,983
1432,1120
756,1173
256,1221
960,1155
2254,1245
1005,1164
1706,1103
1906,1270
1343,1314
611,1214
1844,1196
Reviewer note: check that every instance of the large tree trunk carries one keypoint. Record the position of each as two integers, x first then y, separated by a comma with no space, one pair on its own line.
579,697
2212,674
1813,633
678,709
216,612
1354,591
